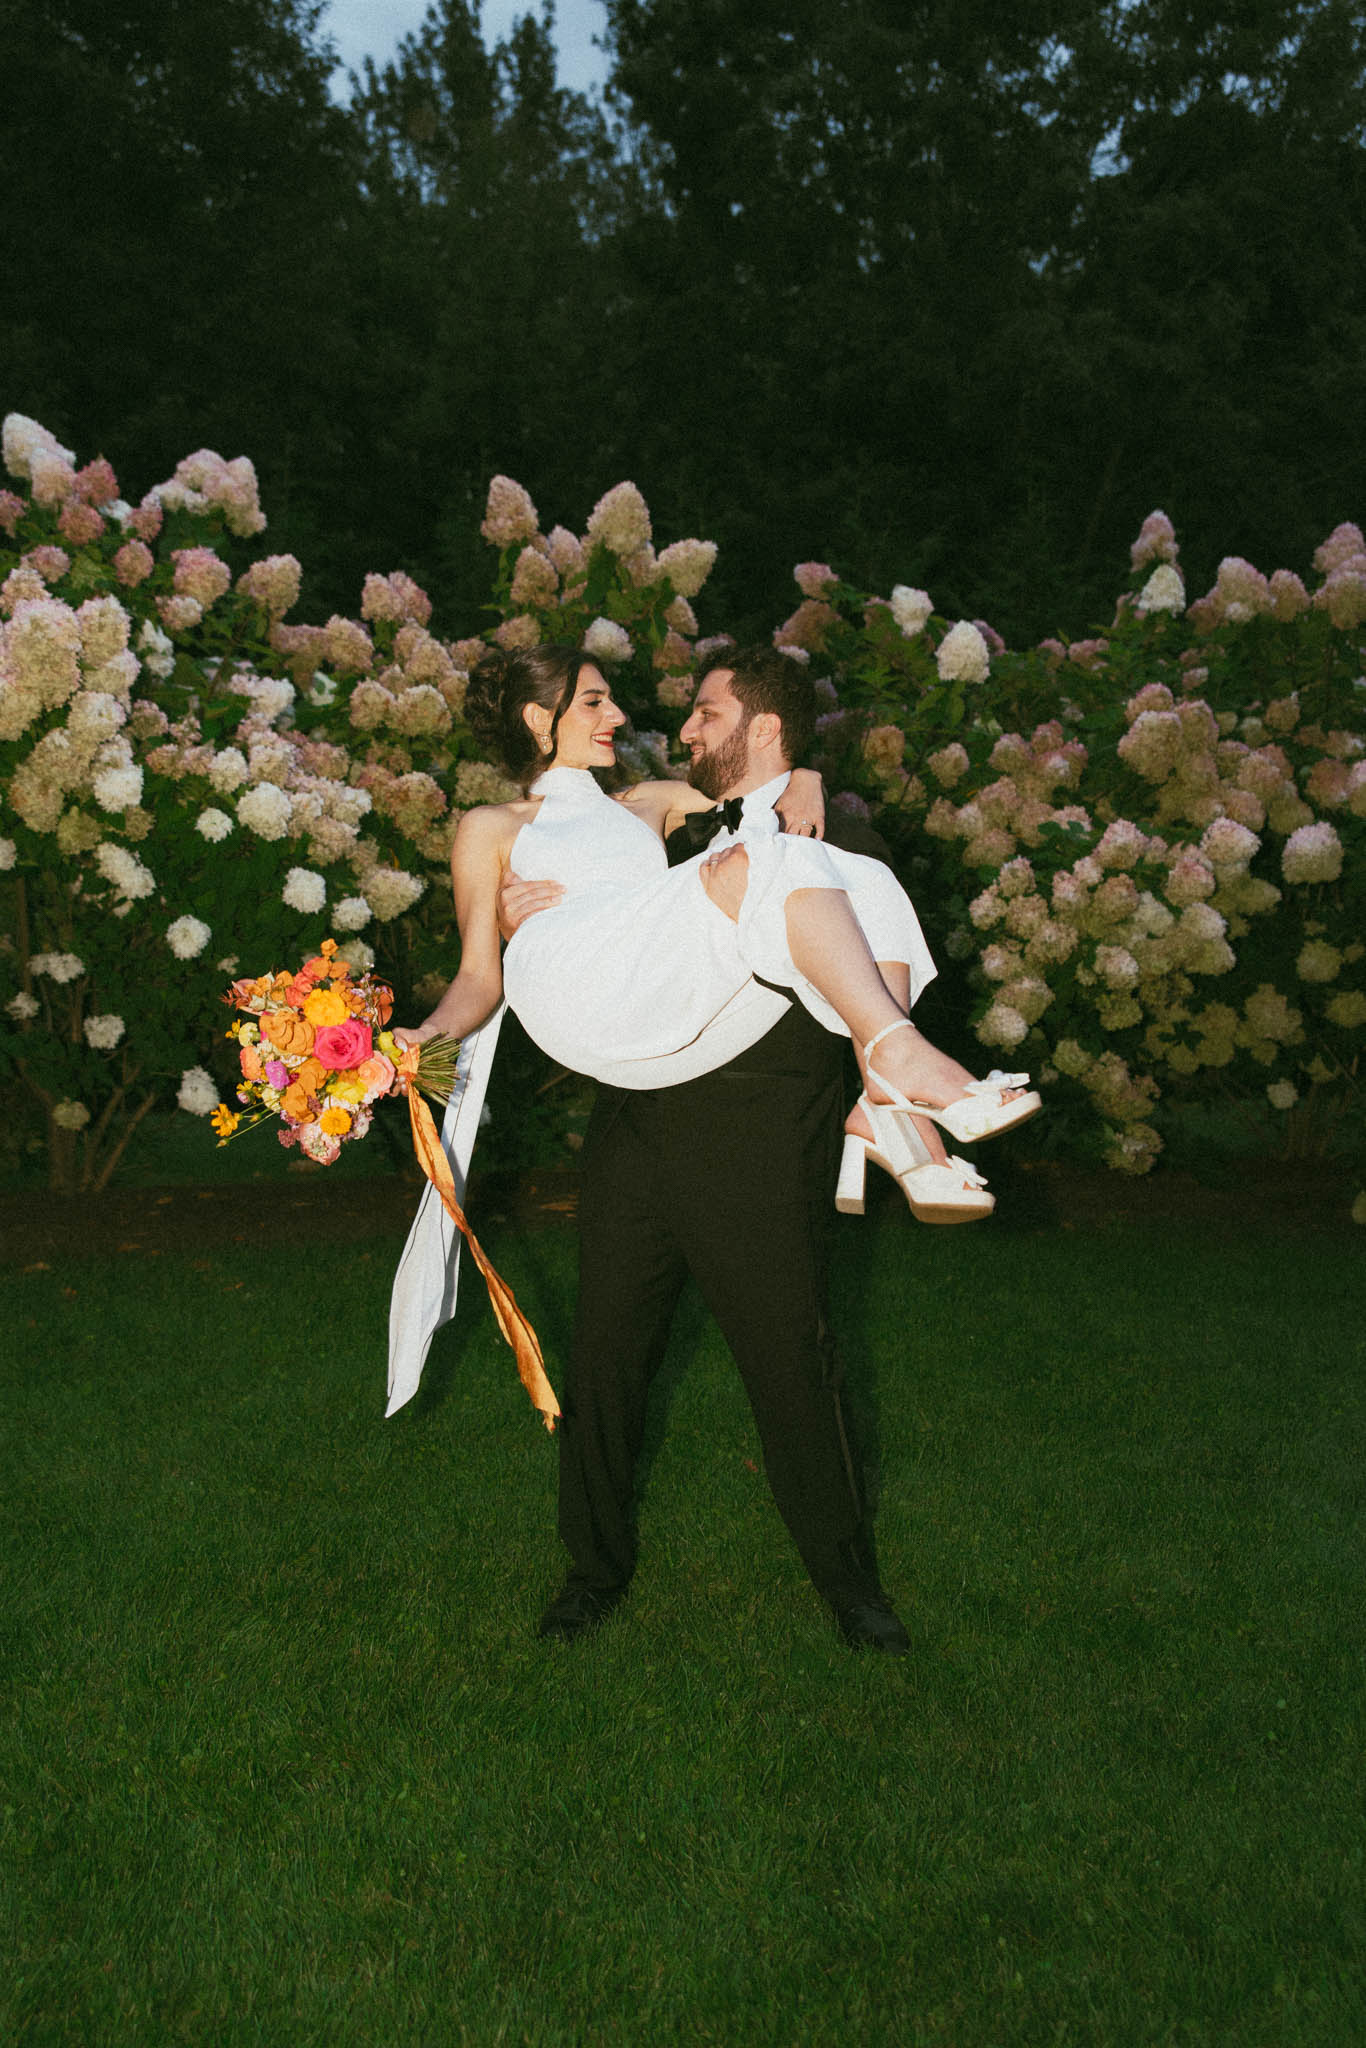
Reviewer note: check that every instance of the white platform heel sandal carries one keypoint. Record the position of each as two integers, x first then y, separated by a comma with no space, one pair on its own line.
951,1193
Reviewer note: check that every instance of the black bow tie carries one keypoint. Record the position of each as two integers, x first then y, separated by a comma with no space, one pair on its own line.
703,826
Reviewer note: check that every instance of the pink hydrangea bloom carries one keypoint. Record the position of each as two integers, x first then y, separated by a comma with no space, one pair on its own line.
509,515
1343,596
97,483
1190,879
201,574
535,580
133,563
79,523
949,765
521,630
813,579
1152,745
346,646
12,510
808,626
149,518
1156,542
51,563
395,598
1288,595
1342,543
273,583
674,692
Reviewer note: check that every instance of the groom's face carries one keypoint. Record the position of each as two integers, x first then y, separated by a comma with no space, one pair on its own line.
716,734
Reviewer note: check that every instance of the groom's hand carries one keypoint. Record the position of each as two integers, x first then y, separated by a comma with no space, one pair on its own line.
519,900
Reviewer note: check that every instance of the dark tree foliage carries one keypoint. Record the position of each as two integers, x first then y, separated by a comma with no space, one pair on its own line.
183,266
942,291
965,290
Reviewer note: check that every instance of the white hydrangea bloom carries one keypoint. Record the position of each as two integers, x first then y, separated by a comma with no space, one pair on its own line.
605,640
24,438
304,890
8,854
351,914
70,1116
22,1007
228,770
156,649
265,810
117,789
1313,853
391,891
910,608
187,937
1164,591
621,520
963,655
57,966
358,956
213,825
103,1033
197,1092
119,865
1282,1094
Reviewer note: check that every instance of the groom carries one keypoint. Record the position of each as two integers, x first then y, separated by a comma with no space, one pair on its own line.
729,1177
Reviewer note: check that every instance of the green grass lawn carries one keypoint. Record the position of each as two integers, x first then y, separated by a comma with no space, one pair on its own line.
283,1762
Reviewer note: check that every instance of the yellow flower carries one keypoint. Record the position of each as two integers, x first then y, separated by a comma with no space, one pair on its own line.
325,1006
225,1122
336,1122
349,1090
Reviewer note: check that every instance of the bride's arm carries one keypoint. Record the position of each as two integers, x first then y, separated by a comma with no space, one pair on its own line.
660,805
476,868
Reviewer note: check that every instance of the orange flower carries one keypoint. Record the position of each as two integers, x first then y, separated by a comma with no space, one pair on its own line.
327,1006
251,1063
298,1104
288,1031
319,967
384,1003
336,1122
312,1074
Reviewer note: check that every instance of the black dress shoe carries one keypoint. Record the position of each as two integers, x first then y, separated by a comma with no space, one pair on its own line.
577,1610
871,1625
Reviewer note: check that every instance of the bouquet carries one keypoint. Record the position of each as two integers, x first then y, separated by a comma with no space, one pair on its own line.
313,1052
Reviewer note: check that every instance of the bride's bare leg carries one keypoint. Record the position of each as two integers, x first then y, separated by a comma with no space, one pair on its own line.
829,949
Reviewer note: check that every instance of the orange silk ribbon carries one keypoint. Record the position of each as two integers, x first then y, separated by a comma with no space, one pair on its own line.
511,1321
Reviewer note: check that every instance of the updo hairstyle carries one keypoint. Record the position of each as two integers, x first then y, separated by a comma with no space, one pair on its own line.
502,683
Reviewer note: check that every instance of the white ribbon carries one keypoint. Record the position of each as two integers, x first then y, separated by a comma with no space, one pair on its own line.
424,1290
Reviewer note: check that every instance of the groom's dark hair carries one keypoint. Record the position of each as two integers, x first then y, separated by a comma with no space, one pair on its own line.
763,679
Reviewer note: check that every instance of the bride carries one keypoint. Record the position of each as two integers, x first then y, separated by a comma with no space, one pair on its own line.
637,960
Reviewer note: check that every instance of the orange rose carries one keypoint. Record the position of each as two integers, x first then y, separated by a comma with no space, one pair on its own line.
288,1031
326,1006
319,967
297,1103
251,1062
312,1073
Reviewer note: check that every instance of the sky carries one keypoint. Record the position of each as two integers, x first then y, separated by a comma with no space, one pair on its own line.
373,28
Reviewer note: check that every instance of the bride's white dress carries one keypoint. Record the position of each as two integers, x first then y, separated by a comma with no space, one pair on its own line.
636,961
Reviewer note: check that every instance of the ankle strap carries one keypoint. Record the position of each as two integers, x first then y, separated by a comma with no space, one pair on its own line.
901,1024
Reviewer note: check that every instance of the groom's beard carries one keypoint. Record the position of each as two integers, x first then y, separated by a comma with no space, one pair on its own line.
718,771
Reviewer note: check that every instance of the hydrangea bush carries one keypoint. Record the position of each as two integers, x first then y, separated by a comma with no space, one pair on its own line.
1146,846
191,785
1143,848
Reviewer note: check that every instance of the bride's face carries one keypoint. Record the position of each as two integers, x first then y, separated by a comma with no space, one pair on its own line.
584,737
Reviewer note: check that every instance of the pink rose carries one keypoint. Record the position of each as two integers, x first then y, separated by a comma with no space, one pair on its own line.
377,1074
339,1046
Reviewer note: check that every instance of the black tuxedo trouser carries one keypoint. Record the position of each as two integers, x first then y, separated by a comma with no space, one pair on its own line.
729,1178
